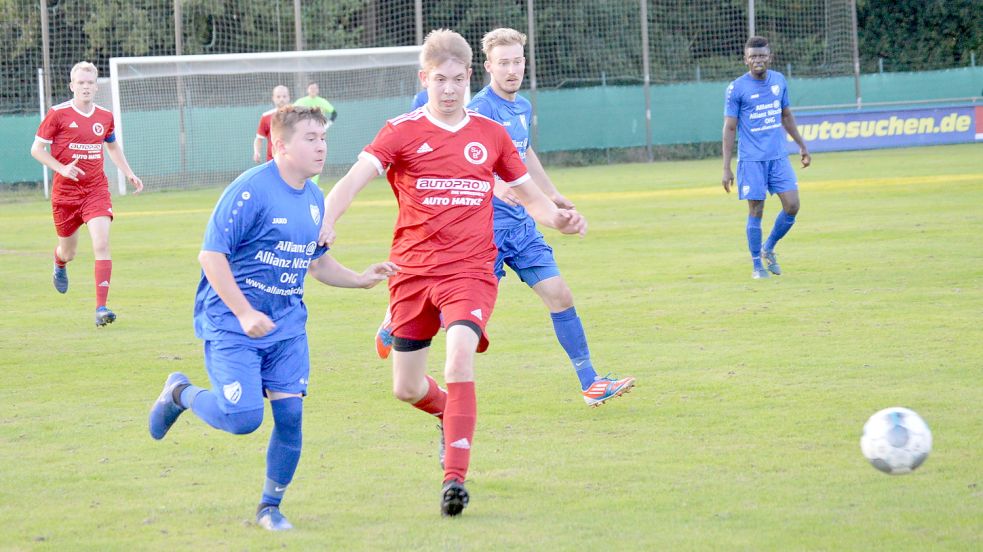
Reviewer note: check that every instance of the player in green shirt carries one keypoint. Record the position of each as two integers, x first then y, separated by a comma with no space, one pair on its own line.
313,100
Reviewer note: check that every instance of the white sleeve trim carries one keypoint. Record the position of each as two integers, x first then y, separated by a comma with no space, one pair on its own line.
42,140
374,160
521,180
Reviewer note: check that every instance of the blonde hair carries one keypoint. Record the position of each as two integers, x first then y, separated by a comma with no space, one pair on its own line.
83,66
285,120
443,45
501,37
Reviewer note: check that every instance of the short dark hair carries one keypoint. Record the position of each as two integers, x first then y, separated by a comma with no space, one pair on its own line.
285,120
756,42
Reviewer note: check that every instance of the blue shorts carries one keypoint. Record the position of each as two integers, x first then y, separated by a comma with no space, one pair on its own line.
526,252
754,178
240,373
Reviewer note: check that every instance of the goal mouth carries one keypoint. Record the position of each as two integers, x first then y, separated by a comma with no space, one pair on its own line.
191,121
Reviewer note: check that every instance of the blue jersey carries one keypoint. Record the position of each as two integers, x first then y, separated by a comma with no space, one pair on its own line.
515,116
419,100
268,230
757,105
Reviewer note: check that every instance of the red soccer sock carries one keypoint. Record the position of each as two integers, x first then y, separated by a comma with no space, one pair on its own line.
58,262
104,272
459,422
434,401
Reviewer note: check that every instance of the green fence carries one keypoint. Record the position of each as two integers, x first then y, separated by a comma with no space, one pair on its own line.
569,119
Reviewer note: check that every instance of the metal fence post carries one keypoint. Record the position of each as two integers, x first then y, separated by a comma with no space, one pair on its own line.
46,52
856,53
750,18
647,78
531,34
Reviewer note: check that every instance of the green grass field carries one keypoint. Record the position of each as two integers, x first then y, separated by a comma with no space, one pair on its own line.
742,433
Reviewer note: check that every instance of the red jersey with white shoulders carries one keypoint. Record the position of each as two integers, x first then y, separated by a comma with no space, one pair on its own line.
263,131
73,134
443,178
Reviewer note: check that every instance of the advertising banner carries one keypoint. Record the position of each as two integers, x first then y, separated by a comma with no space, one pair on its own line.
859,130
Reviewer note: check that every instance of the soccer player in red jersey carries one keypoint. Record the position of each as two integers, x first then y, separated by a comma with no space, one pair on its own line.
281,98
440,161
75,131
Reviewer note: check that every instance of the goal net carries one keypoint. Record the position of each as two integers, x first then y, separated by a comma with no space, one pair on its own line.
190,121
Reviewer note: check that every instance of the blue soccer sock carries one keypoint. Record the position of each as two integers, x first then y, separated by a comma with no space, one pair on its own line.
205,405
783,223
570,333
754,240
283,454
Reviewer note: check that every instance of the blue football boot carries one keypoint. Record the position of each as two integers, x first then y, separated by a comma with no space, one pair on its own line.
60,279
104,316
165,411
270,518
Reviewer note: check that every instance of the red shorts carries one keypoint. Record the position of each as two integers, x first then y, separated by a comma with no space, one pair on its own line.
417,302
70,215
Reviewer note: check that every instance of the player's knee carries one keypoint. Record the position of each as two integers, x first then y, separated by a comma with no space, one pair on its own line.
242,423
288,415
408,393
792,208
66,254
559,299
100,250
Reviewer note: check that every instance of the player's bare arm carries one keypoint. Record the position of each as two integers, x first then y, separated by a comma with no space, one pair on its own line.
545,212
115,152
40,152
729,137
543,180
788,123
327,270
257,149
216,268
504,192
342,195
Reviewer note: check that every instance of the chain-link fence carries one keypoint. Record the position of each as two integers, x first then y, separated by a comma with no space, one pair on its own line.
573,43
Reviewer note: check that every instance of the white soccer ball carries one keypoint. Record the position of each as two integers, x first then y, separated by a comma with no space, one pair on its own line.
896,440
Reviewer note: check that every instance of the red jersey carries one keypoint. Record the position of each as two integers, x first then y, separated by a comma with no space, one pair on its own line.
76,135
263,131
443,178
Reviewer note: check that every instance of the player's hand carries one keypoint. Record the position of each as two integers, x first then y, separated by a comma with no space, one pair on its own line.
255,157
137,183
505,193
562,202
327,236
569,221
70,171
728,179
377,273
255,323
806,159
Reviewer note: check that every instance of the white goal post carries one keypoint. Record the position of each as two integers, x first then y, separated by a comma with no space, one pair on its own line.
190,121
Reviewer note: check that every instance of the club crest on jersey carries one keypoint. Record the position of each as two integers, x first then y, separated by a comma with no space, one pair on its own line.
232,392
775,89
475,153
316,214
522,119
98,129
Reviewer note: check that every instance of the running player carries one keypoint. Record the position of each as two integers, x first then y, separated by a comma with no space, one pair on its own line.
260,243
76,131
756,109
520,245
440,160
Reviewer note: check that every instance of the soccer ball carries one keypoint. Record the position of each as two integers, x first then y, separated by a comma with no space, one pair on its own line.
896,440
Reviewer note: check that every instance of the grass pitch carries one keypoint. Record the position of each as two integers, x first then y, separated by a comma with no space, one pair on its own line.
742,433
